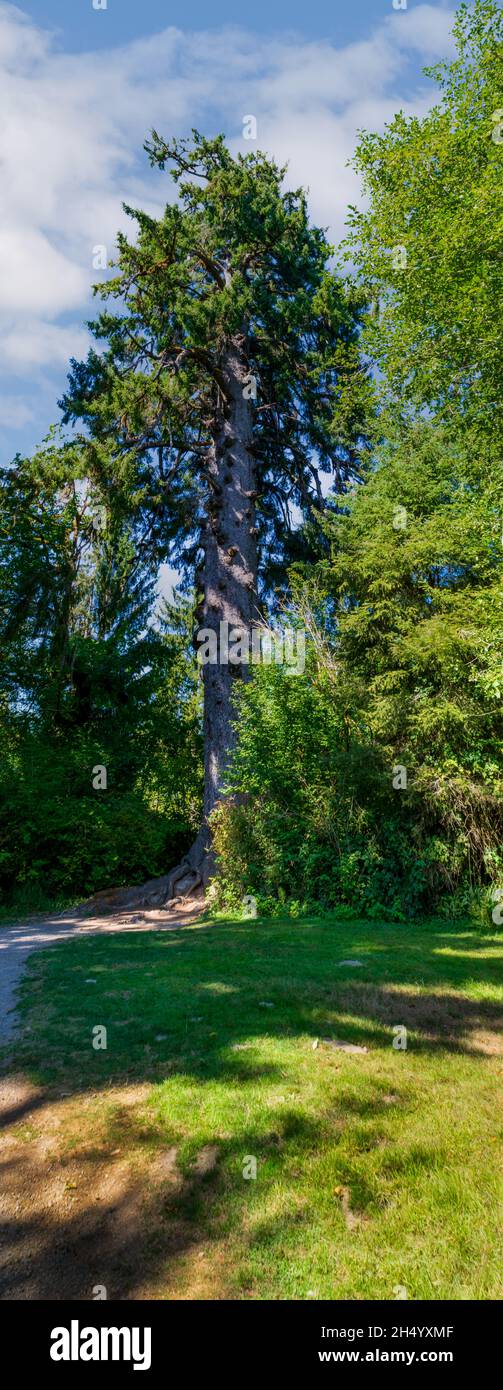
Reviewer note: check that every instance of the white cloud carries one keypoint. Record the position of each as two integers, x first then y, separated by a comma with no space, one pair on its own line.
72,128
37,278
425,29
34,343
21,41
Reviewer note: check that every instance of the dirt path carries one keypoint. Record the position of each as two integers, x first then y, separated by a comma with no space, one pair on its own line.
19,940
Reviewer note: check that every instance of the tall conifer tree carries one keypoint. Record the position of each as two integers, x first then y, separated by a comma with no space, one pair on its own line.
229,376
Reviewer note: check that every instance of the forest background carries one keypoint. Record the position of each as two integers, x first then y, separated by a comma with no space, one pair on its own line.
369,782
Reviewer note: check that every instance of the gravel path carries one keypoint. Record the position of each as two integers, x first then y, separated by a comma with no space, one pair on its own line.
17,942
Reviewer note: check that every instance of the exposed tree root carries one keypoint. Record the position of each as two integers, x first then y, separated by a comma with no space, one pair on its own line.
188,879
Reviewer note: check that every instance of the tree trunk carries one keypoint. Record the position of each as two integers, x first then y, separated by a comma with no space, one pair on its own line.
229,585
230,570
229,597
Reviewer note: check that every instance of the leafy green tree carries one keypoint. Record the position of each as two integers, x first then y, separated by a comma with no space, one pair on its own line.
375,779
428,246
227,377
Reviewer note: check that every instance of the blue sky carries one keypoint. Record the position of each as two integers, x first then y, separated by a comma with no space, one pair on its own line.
79,90
123,20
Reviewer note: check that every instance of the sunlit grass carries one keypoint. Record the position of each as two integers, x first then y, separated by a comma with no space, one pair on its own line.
374,1170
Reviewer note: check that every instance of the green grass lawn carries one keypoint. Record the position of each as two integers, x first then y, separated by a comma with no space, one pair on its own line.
373,1170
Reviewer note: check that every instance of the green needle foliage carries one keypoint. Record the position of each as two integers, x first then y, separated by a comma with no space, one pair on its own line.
234,257
229,375
87,681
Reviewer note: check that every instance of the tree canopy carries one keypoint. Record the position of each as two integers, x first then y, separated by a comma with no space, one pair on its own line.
233,365
427,247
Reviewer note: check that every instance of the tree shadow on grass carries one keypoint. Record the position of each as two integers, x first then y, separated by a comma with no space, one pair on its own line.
136,1226
187,1012
196,1011
443,1022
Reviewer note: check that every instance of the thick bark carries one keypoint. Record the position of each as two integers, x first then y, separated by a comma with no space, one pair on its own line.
229,597
230,568
229,600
